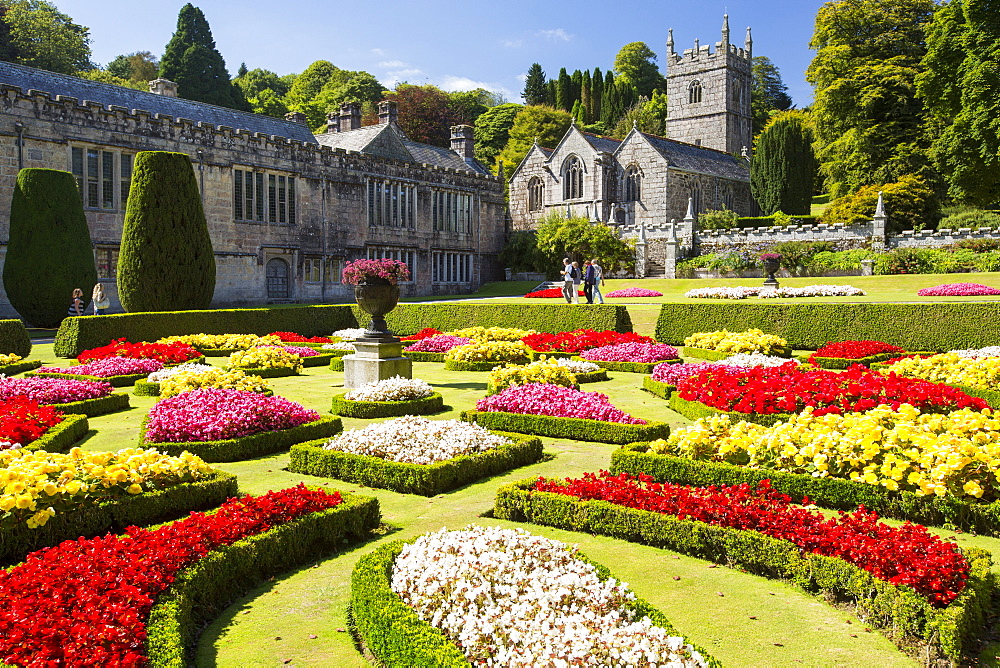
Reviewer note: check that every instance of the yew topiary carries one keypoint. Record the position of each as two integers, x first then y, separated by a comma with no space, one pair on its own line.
49,252
166,261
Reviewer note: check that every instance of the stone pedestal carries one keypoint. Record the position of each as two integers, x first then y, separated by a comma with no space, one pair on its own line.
376,359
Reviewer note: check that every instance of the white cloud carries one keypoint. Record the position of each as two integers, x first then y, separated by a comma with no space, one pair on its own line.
392,64
378,52
555,35
512,43
451,82
552,35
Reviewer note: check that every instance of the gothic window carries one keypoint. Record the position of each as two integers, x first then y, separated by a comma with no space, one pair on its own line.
694,92
632,184
573,179
696,199
536,190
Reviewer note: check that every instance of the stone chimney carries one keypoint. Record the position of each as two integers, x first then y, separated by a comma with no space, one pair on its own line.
297,117
163,87
387,112
463,141
350,117
333,122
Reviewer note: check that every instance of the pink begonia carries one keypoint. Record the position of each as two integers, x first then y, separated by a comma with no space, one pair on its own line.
674,373
555,401
211,414
301,351
53,390
959,290
634,292
632,352
109,366
438,344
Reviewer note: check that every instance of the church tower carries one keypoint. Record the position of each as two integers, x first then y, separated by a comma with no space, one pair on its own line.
709,93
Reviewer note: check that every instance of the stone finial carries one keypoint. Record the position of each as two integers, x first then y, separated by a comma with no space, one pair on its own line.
725,29
689,216
569,214
463,141
697,46
673,233
642,232
635,124
164,87
297,117
670,41
880,207
745,153
748,44
387,112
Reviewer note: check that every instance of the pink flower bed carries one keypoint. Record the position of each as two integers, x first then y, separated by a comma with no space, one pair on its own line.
211,414
675,373
437,344
53,390
634,292
109,366
555,401
632,352
959,290
301,351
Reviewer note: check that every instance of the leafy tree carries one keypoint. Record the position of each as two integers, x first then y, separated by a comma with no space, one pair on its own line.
564,91
910,204
521,253
587,98
784,166
269,103
553,93
323,87
41,36
192,61
647,115
545,124
49,252
534,86
468,105
493,131
635,64
137,67
107,77
253,82
768,93
425,113
618,99
580,239
166,261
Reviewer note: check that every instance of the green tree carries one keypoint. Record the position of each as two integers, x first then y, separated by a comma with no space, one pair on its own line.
580,239
323,87
521,253
137,67
468,105
166,261
49,252
910,204
618,99
192,61
587,98
253,82
107,77
8,51
493,131
768,93
636,64
534,86
545,124
784,166
41,36
552,95
597,93
425,113
647,115
564,91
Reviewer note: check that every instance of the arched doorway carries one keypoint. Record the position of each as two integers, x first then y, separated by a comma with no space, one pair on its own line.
277,279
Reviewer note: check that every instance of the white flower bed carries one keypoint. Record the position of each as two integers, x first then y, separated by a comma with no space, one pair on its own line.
769,293
339,345
396,388
747,360
989,351
510,598
416,440
577,366
163,374
349,334
722,293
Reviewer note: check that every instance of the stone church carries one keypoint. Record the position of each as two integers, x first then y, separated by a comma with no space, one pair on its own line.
285,208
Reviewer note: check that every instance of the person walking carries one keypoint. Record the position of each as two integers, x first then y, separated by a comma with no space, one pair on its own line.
577,280
567,276
76,306
598,280
100,299
588,281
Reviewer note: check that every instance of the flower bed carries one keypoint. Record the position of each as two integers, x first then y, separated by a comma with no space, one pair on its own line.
292,337
426,357
221,345
551,293
492,334
580,339
390,397
694,410
483,356
582,370
425,333
843,354
350,334
167,353
58,438
541,588
634,292
338,348
546,371
659,388
748,360
311,357
672,374
723,343
988,351
118,371
265,359
632,357
764,292
959,290
81,397
210,376
23,420
14,364
979,372
437,344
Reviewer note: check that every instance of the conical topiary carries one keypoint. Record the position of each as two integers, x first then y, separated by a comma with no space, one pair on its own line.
166,261
49,252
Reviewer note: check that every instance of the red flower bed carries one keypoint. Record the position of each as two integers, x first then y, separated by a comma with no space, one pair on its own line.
85,602
854,350
786,389
167,353
551,293
23,420
581,339
292,337
425,333
907,555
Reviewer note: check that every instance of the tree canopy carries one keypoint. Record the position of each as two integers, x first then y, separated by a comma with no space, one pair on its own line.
784,167
534,86
493,131
41,36
138,67
545,124
580,239
636,64
768,93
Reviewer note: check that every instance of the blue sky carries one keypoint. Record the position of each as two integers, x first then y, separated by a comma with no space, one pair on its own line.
451,44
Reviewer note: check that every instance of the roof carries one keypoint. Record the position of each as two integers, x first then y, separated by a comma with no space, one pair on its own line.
351,140
604,144
370,139
691,158
442,157
29,78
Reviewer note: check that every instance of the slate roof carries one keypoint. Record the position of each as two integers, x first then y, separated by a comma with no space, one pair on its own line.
358,140
699,159
442,157
351,140
604,144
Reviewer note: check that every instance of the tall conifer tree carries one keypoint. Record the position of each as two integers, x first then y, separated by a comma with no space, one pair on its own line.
564,91
597,91
784,167
535,91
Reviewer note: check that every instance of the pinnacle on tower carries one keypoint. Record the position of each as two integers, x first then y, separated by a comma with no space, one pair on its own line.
670,41
748,45
725,31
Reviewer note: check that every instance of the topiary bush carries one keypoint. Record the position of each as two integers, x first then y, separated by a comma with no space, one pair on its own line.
166,261
49,252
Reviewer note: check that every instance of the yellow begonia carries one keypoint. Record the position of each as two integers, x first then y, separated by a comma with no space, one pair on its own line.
265,358
546,371
490,351
9,358
484,334
223,341
234,379
980,372
750,341
956,454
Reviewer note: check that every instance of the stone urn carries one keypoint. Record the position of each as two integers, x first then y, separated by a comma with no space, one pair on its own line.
771,267
377,296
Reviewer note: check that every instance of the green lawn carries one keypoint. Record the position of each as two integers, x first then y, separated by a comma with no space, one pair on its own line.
754,621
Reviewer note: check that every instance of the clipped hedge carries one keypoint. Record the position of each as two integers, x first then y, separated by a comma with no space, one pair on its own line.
63,436
838,363
114,381
631,367
991,397
267,372
219,352
405,478
901,613
206,587
931,326
716,355
379,409
459,365
552,318
554,354
145,388
834,493
768,221
578,429
425,357
337,364
18,367
694,410
14,338
662,390
113,515
254,445
117,401
591,376
323,359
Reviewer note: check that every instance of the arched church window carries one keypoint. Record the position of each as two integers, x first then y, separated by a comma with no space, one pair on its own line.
633,182
536,191
573,178
694,92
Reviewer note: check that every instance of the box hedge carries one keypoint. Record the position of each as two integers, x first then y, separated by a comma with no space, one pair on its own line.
554,354
14,338
323,359
117,401
838,363
694,410
716,355
206,587
145,388
114,381
905,616
591,376
19,367
662,390
631,367
113,515
249,447
266,372
380,409
991,397
405,478
578,429
425,357
461,365
337,364
63,436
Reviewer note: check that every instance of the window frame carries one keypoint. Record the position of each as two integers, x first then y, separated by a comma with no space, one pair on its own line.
264,197
103,176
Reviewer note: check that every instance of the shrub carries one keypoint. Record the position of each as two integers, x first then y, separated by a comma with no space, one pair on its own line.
49,251
973,219
910,204
14,338
376,409
167,353
723,219
784,166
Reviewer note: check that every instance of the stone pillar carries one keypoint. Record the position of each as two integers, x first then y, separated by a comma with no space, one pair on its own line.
350,117
878,225
375,361
297,117
670,255
463,141
689,232
640,253
868,267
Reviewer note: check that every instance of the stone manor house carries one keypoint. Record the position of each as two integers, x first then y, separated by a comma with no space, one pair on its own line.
285,208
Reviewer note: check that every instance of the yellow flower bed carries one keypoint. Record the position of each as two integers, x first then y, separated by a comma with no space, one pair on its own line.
185,381
490,351
265,358
982,373
956,454
483,334
9,358
37,485
750,341
543,371
224,341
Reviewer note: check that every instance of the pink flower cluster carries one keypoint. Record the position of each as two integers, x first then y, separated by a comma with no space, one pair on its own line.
438,344
632,352
301,351
634,292
675,373
109,366
211,414
53,390
555,401
959,290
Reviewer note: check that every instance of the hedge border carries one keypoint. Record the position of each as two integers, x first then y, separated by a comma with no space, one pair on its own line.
145,388
116,401
991,397
717,355
631,367
206,587
113,515
18,367
63,436
423,479
950,631
459,365
114,381
577,429
837,363
379,409
14,338
694,410
337,364
832,493
598,376
249,447
396,636
219,352
554,354
417,356
322,359
267,372
662,390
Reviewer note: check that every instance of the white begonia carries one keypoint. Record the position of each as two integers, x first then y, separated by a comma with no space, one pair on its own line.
764,292
747,360
989,351
722,293
577,366
416,440
163,374
510,598
396,388
349,334
339,345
